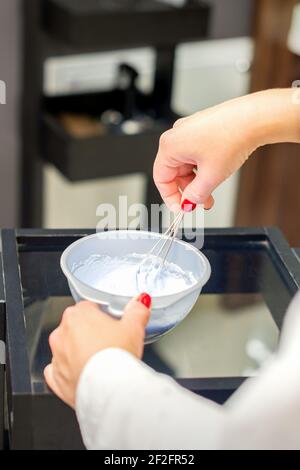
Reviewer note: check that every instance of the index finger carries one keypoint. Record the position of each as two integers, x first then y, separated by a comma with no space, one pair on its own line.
165,180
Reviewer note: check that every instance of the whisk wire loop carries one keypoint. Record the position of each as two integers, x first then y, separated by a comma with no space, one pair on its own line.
160,250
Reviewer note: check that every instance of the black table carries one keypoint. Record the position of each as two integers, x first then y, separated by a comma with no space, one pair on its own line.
254,276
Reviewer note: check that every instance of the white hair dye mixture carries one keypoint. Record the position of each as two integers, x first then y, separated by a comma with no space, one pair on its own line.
118,276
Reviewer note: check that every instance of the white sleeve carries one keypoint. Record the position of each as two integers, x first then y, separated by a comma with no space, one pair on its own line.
124,404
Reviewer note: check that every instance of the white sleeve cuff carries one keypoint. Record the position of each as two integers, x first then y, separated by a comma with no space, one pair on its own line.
101,402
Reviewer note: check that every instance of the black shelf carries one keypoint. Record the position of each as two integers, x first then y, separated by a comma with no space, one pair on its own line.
129,23
85,158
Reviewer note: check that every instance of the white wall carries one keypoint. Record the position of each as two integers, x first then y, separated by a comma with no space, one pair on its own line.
207,73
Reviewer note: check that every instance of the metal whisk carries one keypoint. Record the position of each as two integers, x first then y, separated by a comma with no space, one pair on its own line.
155,259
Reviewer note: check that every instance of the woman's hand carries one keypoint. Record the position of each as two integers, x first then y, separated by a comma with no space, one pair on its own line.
84,331
216,142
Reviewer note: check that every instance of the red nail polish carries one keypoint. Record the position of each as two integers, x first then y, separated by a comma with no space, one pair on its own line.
145,299
188,206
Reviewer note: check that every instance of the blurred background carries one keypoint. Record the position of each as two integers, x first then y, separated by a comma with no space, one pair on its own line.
90,86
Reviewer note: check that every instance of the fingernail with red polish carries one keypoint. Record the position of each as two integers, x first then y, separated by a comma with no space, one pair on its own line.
188,206
145,299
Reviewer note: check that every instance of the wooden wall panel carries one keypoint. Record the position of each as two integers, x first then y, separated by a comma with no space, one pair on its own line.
269,191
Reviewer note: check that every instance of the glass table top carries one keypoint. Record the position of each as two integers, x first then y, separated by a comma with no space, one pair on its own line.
215,340
230,332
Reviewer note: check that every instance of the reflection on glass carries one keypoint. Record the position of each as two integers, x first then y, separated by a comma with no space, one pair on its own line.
220,341
215,340
42,317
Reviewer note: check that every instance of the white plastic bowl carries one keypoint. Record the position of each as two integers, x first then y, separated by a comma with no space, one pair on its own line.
167,310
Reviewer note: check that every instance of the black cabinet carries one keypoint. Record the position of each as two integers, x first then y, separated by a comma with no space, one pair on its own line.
124,23
244,262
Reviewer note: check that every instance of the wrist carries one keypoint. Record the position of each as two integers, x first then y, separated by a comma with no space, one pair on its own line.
275,117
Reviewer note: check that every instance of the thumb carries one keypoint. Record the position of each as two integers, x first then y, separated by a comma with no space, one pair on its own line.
51,381
200,189
137,311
